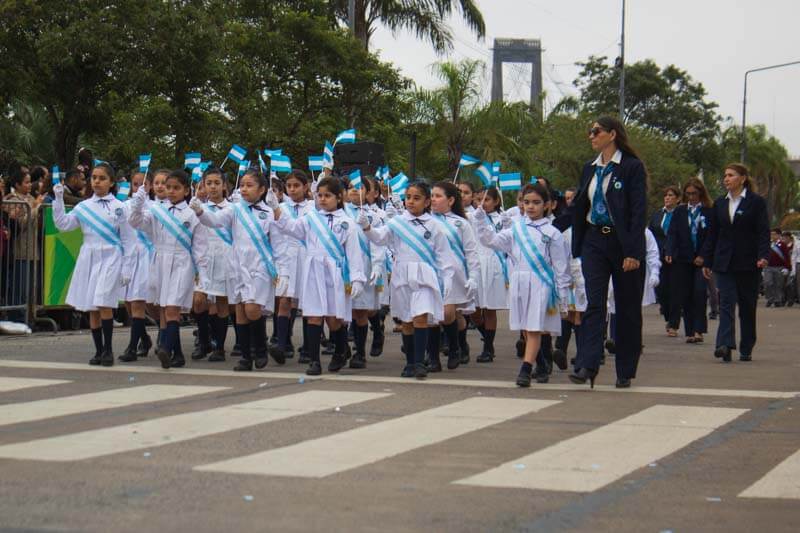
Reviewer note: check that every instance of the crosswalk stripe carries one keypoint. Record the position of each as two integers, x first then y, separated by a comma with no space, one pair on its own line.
595,459
783,481
96,401
472,383
179,428
12,384
325,456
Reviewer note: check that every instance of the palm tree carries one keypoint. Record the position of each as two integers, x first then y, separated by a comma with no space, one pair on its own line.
26,134
425,18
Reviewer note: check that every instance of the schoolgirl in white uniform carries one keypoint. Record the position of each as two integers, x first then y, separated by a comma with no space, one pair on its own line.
467,192
250,222
540,283
333,271
139,252
211,300
290,254
181,249
463,255
158,194
421,276
494,277
96,284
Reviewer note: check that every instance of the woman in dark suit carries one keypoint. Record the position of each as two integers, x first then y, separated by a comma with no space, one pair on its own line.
659,226
610,216
685,238
736,249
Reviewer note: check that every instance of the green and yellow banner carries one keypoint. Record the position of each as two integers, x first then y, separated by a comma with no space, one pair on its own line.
60,253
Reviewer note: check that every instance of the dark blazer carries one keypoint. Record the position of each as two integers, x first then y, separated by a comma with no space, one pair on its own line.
627,203
679,236
737,246
658,232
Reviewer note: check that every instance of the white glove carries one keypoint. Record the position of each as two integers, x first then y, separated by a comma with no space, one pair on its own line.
373,276
272,200
391,211
506,219
356,289
58,191
472,289
314,186
653,282
235,196
196,205
479,214
362,219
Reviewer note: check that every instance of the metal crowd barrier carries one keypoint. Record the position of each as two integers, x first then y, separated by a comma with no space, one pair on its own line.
18,258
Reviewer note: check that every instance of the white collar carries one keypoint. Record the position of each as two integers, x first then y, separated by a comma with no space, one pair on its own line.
741,196
540,222
690,206
107,198
424,216
616,158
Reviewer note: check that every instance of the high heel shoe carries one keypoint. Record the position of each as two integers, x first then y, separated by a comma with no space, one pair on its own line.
580,376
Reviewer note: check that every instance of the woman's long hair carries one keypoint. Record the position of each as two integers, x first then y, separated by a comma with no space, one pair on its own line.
705,199
609,124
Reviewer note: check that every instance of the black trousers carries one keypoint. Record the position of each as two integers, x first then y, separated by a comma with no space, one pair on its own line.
737,288
602,260
690,290
664,293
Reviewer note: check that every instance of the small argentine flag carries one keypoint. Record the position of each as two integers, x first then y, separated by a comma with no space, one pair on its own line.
511,181
316,163
281,163
56,176
399,183
262,165
467,160
192,159
197,174
496,169
237,154
243,166
355,179
99,162
386,173
345,137
327,155
123,190
273,153
144,162
484,172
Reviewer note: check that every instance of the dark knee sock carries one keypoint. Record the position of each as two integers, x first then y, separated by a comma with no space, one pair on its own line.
305,332
527,368
275,319
339,338
244,339
451,332
434,342
408,344
137,332
237,334
283,331
258,336
202,328
171,336
97,337
219,330
375,324
160,338
420,344
292,317
462,339
108,331
488,340
314,333
360,337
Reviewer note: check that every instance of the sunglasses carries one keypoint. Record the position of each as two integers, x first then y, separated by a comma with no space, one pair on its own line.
596,130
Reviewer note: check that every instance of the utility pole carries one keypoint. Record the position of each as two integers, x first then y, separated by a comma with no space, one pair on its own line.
351,15
744,103
622,67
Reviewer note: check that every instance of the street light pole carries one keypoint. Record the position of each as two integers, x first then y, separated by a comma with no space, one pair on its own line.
622,67
744,103
351,15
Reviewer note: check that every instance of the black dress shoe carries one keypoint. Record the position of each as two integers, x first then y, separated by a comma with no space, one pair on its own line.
485,357
453,360
623,383
541,375
216,356
337,363
724,353
330,349
743,357
358,361
435,366
145,344
260,358
107,358
277,353
314,369
201,351
289,352
523,379
164,357
420,371
95,361
128,356
244,365
177,361
560,359
408,372
377,345
579,377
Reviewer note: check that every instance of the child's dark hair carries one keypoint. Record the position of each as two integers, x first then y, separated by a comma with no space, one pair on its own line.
451,191
109,171
279,183
492,193
260,178
468,184
182,177
335,187
424,188
297,174
214,171
371,184
16,176
537,188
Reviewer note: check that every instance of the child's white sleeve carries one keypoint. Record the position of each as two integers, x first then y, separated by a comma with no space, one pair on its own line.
64,221
294,227
501,241
446,268
220,219
139,217
471,253
200,252
379,236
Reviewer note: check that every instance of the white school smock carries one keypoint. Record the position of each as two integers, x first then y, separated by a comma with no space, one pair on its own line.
290,252
172,270
97,277
218,280
139,251
577,289
529,295
322,289
369,299
492,288
254,284
415,285
458,291
652,271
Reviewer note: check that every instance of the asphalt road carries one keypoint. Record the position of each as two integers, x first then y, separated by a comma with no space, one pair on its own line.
695,445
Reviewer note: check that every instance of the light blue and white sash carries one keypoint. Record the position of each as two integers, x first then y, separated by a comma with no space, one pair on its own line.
331,244
222,233
146,242
99,225
537,262
295,215
500,255
413,240
258,238
174,227
454,239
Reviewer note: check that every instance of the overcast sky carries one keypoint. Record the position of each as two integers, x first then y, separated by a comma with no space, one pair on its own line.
715,41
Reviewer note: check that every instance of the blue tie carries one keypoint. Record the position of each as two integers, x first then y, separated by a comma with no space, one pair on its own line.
665,222
600,216
694,216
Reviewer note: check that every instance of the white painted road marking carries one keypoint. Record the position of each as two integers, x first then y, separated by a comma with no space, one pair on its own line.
179,428
358,447
783,481
595,459
12,384
96,401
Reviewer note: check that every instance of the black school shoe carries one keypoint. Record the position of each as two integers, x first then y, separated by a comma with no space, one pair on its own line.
337,362
164,357
464,351
724,353
201,351
177,361
277,353
303,359
237,351
314,369
485,357
145,345
128,356
560,359
107,358
541,375
435,365
523,379
261,358
377,345
217,356
244,365
420,371
358,361
408,372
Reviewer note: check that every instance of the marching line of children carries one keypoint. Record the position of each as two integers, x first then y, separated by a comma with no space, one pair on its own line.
329,252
